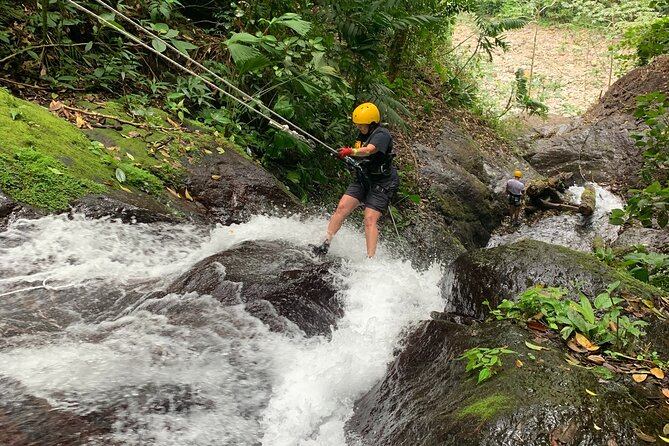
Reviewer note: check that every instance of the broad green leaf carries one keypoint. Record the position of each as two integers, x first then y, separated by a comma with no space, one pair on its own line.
566,331
242,53
182,46
120,175
158,45
242,38
603,301
484,374
160,27
284,107
586,310
414,198
294,177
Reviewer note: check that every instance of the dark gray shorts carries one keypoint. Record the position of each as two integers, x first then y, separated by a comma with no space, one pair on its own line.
379,194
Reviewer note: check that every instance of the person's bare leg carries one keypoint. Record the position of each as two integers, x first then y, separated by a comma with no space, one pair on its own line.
371,230
347,204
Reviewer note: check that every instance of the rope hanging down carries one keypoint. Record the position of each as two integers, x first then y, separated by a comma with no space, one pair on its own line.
287,125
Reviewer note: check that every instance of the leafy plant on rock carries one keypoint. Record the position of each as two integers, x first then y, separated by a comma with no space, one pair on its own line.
603,321
486,360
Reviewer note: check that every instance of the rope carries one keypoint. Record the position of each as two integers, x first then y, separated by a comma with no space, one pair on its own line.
392,218
287,125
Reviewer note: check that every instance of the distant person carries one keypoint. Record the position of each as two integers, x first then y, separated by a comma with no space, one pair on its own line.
375,184
515,189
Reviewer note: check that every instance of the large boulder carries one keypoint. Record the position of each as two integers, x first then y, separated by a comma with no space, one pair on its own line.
598,147
428,239
601,151
118,208
6,207
280,284
505,271
656,240
233,188
427,398
465,183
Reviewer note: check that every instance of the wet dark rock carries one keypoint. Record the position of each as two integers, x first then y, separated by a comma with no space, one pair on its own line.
655,240
26,420
98,206
503,272
243,189
428,240
427,398
276,281
6,206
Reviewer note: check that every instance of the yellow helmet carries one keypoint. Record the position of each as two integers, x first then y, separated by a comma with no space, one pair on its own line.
518,174
366,114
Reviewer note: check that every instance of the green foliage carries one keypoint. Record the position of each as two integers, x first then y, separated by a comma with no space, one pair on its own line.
603,323
648,267
162,9
650,205
645,41
486,360
531,106
605,13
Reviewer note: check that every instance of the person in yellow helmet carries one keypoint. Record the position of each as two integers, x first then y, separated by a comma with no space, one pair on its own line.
515,190
376,182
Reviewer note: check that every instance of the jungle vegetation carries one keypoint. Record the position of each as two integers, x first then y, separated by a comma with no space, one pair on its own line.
310,61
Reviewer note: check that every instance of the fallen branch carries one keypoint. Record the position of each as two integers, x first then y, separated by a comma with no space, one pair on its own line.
142,125
36,87
560,206
101,115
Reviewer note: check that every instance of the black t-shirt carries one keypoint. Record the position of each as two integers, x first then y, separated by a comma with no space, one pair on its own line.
383,141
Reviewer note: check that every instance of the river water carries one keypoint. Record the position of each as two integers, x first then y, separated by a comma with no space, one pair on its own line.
79,329
569,229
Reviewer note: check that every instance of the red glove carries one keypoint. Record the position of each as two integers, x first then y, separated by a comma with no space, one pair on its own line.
343,152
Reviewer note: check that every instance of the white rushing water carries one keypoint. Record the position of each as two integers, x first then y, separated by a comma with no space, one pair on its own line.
569,229
187,370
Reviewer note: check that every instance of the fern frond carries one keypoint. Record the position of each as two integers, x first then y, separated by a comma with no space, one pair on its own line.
242,53
416,20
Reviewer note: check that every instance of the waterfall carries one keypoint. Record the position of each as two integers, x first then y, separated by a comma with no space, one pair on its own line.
82,330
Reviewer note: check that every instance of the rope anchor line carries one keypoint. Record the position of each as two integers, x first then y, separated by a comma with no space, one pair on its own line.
287,126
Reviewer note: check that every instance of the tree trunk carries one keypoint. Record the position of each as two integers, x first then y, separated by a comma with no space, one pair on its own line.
548,186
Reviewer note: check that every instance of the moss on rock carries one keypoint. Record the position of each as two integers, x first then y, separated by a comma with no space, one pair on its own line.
45,161
486,408
41,181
